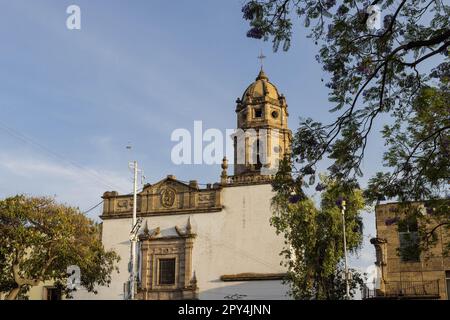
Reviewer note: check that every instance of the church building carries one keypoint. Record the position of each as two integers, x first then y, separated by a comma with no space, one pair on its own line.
206,243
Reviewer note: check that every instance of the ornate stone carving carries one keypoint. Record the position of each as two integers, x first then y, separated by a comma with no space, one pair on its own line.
177,248
224,174
168,197
248,179
123,204
188,230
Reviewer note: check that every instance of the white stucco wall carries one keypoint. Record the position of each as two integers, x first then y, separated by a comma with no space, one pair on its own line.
235,240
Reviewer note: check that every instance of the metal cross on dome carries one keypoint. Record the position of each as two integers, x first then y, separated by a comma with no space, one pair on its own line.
261,57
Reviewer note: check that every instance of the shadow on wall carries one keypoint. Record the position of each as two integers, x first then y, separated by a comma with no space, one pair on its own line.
249,290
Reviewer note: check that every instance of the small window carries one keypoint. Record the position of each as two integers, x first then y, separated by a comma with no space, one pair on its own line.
409,240
277,149
408,225
53,293
167,271
258,113
274,114
447,279
258,154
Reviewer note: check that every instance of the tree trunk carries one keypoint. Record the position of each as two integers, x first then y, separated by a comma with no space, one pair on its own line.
12,295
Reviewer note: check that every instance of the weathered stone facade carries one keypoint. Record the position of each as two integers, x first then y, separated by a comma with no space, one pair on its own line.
425,278
168,196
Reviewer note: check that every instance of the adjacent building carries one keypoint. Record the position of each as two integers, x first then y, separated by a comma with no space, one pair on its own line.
405,272
43,291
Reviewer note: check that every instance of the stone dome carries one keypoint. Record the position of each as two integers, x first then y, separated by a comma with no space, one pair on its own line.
260,88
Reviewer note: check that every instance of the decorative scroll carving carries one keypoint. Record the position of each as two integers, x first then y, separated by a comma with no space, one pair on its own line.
188,230
168,197
205,197
123,204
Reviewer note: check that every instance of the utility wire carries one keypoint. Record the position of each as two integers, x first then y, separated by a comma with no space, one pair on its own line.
89,210
202,184
95,206
54,154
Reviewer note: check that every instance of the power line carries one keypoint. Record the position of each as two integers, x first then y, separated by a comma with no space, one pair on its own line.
28,140
95,206
89,210
202,184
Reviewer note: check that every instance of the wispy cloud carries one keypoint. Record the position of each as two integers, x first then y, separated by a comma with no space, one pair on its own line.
25,172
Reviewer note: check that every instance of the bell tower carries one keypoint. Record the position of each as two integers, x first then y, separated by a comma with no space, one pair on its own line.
263,137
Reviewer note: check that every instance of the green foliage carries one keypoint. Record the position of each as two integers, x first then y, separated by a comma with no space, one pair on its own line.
314,237
400,71
371,72
425,223
418,150
41,238
418,156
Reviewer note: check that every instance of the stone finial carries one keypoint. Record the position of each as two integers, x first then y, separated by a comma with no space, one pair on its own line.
110,194
193,184
189,226
224,175
194,281
146,231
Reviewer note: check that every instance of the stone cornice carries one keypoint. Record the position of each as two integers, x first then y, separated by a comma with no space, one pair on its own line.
247,179
129,214
253,276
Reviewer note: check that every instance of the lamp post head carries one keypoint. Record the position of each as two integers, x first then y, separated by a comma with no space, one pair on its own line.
341,202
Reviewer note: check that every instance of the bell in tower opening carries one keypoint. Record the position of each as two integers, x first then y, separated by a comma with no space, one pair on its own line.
262,137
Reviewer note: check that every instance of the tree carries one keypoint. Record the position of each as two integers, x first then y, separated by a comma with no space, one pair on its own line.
418,149
314,239
399,68
419,161
41,238
371,71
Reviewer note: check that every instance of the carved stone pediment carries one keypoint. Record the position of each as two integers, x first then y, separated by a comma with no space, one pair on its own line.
168,196
156,250
157,234
168,183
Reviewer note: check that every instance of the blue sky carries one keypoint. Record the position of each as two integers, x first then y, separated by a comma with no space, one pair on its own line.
71,100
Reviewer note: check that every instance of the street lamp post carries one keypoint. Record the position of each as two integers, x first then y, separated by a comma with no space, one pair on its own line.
347,286
133,233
